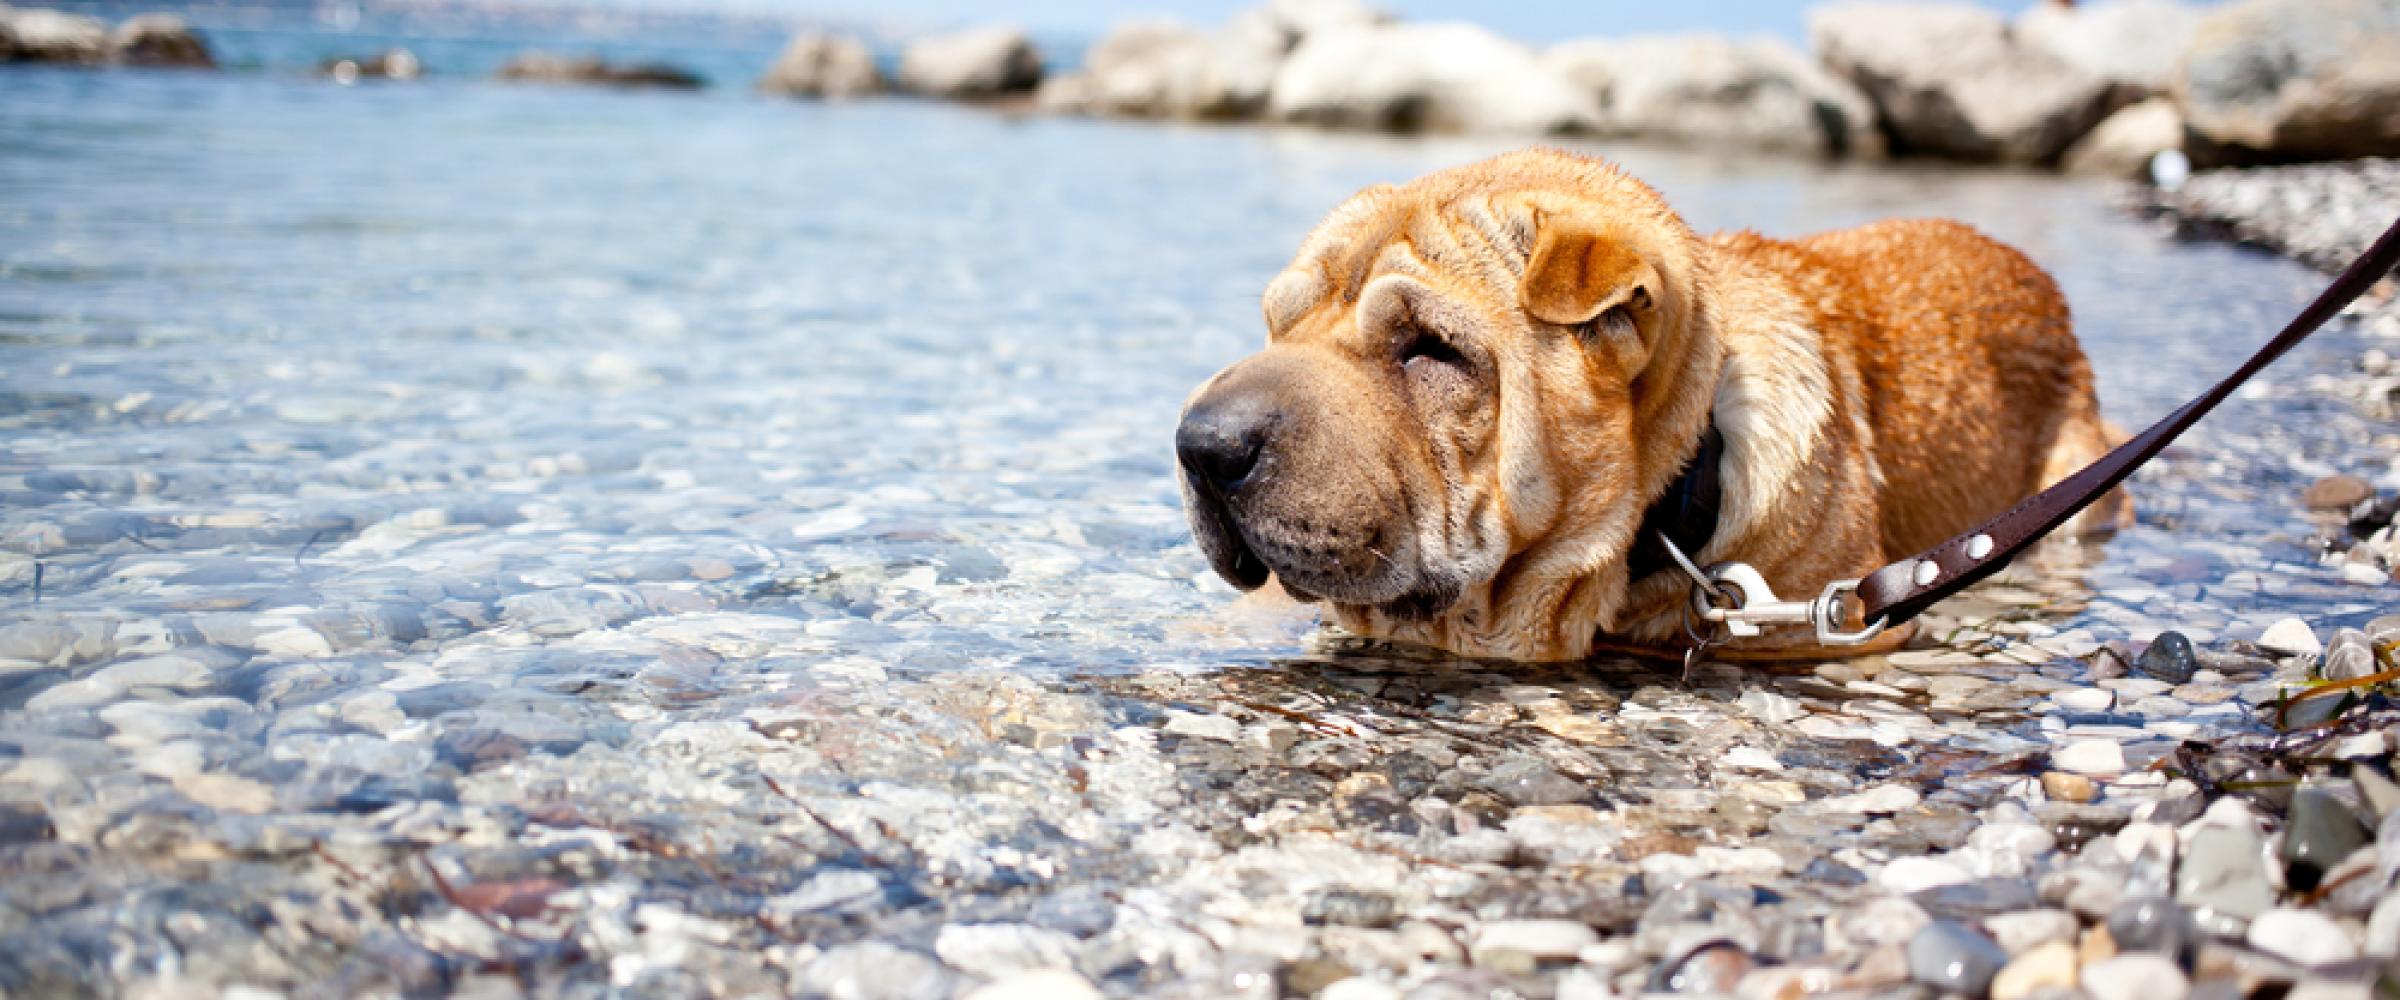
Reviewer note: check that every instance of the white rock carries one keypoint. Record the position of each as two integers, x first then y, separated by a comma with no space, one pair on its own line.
998,950
1359,988
2094,756
1440,76
1214,727
2383,929
2024,929
979,63
1769,707
816,64
2135,43
2303,936
1753,92
1950,79
1879,799
1046,984
1912,874
2085,699
2135,977
2290,637
1741,860
1523,944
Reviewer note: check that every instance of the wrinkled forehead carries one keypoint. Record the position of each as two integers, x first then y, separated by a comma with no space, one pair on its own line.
1466,246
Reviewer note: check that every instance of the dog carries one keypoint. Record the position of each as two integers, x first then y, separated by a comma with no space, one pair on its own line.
1485,391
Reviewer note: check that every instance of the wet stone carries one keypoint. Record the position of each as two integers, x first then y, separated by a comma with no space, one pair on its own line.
1953,958
2221,871
1710,969
2151,924
2321,833
2348,657
2168,658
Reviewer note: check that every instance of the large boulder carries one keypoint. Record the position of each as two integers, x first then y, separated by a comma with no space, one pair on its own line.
546,67
1443,77
1163,69
159,40
816,64
2132,43
2295,79
1951,80
1284,24
1756,92
2124,144
35,35
977,64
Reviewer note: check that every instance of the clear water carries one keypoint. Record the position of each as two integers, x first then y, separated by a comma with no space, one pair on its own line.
417,411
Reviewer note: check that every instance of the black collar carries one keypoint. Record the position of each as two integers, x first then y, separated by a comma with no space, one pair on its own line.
1686,512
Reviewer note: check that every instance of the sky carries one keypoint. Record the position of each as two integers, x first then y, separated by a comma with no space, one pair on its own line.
1529,20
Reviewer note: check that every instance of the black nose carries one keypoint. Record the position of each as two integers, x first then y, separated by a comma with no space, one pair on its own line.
1222,437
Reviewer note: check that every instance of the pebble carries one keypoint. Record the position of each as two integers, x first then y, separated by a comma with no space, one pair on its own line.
2169,658
1905,875
1768,707
1062,984
2320,832
2135,977
1883,799
2306,937
2067,787
2091,756
997,950
2024,930
2086,699
1221,728
2050,965
2349,656
1520,946
2150,924
2340,492
1713,968
873,970
2222,871
2290,637
1953,958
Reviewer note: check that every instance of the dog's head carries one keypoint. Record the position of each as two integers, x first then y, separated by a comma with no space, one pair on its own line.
1472,386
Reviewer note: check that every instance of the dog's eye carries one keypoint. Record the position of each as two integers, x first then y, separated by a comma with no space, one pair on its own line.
1422,346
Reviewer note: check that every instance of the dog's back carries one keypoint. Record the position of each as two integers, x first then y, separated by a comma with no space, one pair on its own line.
1977,392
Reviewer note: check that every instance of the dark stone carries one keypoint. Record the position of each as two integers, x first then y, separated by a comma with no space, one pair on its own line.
2322,831
2152,924
1351,907
1954,958
2168,658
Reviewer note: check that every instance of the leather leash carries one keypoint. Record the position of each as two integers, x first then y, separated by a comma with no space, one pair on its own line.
1901,590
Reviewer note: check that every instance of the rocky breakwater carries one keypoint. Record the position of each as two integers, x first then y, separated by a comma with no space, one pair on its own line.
48,36
2100,88
552,68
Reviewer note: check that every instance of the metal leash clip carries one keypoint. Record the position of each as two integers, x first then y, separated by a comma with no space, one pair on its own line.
1735,597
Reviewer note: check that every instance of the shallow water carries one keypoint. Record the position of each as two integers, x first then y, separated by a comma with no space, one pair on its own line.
416,469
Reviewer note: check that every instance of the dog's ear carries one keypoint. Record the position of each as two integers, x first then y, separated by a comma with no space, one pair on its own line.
1289,297
1577,273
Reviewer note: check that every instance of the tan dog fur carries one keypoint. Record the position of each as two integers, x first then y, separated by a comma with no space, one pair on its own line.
1878,389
